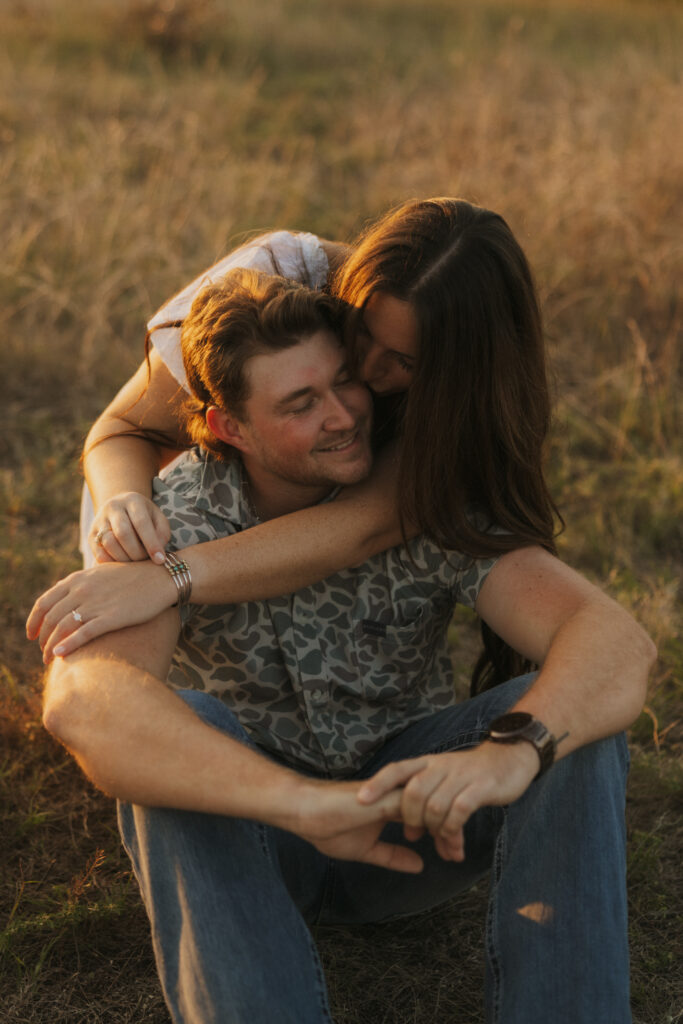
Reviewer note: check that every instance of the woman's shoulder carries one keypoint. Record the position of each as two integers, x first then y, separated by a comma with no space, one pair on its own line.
297,255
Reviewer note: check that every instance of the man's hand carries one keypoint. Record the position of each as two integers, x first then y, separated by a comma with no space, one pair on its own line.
441,791
337,824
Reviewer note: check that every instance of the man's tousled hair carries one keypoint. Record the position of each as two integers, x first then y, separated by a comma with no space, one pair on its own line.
247,313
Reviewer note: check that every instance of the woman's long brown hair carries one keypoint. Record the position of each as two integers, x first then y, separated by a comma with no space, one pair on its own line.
477,413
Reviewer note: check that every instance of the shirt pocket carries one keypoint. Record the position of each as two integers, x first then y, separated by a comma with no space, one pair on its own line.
391,658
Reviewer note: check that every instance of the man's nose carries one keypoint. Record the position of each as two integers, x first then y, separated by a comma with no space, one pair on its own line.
338,415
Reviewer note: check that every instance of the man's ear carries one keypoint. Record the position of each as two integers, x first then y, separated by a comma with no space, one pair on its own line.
225,427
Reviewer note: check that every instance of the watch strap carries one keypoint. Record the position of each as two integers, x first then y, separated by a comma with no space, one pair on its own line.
519,726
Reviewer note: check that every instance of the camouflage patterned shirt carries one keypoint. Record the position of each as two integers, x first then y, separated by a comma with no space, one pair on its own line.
324,676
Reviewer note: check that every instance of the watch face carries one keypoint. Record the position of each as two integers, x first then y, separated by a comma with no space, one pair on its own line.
512,722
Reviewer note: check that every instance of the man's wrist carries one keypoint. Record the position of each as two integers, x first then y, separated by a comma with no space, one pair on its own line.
522,754
290,802
521,727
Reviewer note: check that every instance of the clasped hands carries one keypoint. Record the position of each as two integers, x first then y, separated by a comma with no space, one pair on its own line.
436,793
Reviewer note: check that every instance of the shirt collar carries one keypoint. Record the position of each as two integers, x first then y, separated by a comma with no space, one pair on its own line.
223,491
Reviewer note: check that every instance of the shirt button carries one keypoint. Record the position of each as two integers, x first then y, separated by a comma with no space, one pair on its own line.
318,697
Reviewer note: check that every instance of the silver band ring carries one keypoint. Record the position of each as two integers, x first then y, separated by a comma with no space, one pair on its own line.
77,616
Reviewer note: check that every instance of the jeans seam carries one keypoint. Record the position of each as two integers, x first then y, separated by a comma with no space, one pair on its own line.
265,845
322,984
462,741
491,936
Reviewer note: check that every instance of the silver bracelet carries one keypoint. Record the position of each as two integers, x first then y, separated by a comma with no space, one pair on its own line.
180,574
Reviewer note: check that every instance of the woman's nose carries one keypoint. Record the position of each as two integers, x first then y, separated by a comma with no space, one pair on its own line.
370,365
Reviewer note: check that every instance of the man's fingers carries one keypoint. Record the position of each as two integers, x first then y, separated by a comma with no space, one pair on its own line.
388,778
388,808
462,807
451,847
421,790
395,858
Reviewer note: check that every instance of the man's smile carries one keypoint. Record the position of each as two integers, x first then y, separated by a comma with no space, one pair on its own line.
342,446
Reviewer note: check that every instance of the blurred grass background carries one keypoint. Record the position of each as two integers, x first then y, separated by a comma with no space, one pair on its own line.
139,141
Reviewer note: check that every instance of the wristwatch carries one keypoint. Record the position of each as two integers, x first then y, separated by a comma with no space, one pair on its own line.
520,725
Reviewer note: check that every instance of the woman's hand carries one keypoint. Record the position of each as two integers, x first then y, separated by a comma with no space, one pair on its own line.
441,791
129,528
91,602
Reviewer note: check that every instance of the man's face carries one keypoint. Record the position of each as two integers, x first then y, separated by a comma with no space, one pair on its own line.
307,420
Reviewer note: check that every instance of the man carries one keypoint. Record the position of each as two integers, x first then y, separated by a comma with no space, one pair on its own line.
234,811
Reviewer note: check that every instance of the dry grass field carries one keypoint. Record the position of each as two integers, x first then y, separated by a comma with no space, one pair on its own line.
139,140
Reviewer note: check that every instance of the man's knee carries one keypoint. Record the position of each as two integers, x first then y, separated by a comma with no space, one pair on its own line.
608,757
598,770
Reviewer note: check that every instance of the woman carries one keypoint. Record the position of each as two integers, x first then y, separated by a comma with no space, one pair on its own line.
446,330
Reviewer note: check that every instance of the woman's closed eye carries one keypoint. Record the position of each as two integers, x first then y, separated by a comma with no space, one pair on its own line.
405,364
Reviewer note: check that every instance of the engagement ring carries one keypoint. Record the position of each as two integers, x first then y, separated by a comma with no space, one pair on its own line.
77,616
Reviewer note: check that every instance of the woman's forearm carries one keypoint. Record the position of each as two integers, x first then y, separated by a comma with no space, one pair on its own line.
274,558
119,463
286,554
124,450
294,551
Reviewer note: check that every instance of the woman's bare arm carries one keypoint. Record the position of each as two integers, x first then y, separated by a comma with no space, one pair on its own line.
293,551
336,252
120,463
113,460
276,557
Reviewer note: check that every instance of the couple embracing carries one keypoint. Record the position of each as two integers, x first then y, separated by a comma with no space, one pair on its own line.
258,669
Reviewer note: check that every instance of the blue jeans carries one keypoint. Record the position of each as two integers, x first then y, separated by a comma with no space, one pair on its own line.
230,900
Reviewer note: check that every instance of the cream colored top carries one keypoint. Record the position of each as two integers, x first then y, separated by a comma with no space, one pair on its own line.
300,257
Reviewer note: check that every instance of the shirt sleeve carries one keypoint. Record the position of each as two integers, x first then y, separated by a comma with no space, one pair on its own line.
189,525
300,257
469,579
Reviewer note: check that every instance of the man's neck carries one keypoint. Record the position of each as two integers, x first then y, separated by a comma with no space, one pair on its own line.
270,497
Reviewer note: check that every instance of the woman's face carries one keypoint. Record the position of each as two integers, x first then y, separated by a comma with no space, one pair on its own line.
388,344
